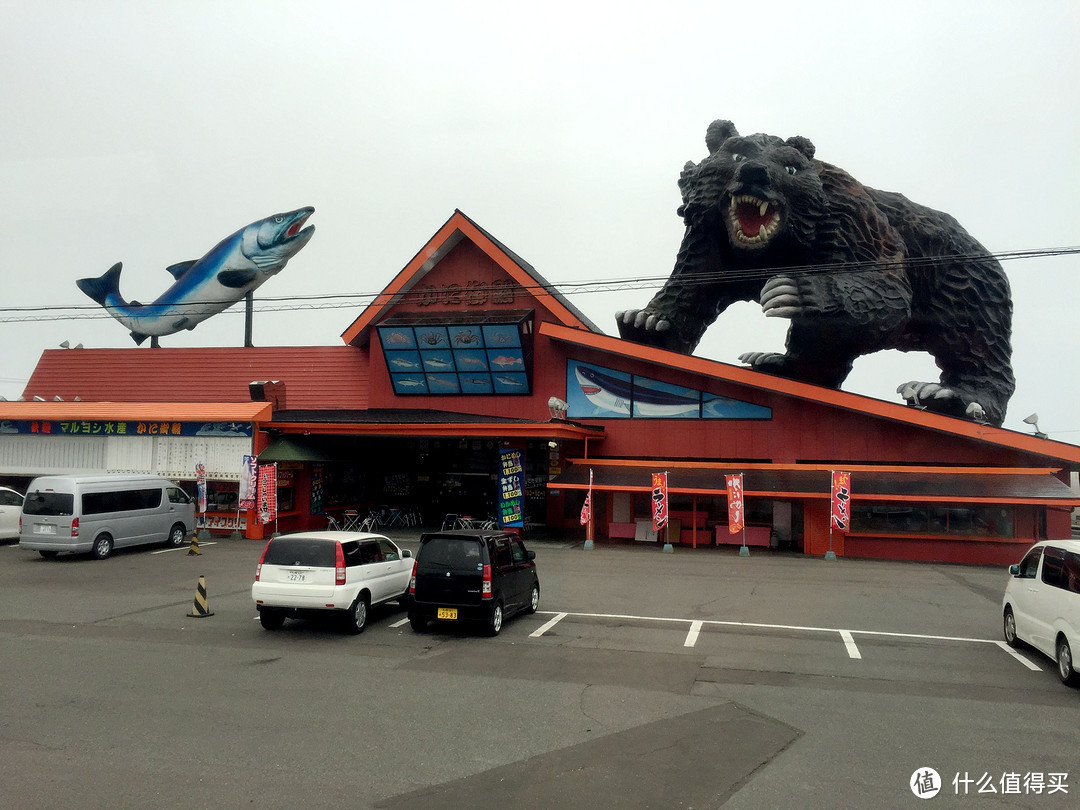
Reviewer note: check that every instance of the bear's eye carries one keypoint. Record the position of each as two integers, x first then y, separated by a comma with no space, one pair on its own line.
791,169
737,158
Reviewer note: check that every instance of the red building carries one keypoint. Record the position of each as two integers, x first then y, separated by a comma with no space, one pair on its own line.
456,367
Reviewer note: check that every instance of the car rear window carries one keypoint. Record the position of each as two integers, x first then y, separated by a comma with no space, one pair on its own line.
450,554
58,504
297,551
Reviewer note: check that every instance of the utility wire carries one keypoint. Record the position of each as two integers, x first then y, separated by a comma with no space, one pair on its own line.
479,292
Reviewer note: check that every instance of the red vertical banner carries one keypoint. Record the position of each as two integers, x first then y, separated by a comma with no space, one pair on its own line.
736,516
267,493
841,500
660,501
586,510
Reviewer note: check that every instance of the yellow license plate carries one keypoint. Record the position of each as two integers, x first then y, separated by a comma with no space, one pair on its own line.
446,613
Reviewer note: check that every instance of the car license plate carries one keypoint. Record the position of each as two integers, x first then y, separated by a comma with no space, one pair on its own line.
44,528
297,576
446,613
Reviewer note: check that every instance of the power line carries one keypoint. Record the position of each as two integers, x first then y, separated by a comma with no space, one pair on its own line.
426,296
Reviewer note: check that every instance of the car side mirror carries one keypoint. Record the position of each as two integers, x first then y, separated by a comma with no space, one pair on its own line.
406,553
1014,570
530,555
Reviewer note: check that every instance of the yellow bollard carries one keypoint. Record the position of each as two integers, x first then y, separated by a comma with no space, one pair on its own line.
201,608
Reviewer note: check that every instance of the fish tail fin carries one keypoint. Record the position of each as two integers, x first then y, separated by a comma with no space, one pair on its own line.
139,338
102,287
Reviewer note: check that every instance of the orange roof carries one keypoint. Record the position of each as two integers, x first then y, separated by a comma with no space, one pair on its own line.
314,376
455,229
139,411
869,406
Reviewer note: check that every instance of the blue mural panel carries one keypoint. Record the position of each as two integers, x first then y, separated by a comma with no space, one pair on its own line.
409,383
594,391
432,337
502,336
438,361
466,337
716,407
397,337
443,383
510,383
657,399
400,362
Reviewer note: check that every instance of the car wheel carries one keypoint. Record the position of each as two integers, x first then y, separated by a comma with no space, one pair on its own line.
48,555
356,619
176,536
534,598
271,619
1010,628
103,547
496,621
1066,671
418,624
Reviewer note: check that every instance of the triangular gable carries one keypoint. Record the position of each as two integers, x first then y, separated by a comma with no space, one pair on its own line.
868,406
459,227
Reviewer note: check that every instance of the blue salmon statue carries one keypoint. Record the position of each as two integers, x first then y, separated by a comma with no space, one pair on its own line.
212,284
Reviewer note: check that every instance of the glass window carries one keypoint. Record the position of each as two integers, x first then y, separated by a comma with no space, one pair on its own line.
517,551
1029,566
98,503
54,504
370,553
500,557
1072,571
177,495
290,551
913,518
389,551
10,498
351,552
449,554
1053,570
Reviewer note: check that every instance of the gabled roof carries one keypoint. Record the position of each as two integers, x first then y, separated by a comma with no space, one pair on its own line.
868,406
455,229
314,376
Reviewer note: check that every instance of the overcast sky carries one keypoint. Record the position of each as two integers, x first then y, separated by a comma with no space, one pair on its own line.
147,132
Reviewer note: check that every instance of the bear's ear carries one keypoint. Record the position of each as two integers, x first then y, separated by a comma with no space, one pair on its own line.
718,132
804,145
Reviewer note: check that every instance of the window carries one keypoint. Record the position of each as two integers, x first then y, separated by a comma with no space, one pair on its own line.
1030,564
288,551
369,553
98,503
1053,571
915,518
389,553
500,557
10,498
351,553
53,504
177,495
518,551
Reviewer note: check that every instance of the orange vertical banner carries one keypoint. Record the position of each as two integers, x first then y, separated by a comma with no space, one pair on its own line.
841,500
736,513
660,500
586,510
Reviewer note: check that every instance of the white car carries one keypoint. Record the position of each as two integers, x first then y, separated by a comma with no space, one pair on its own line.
336,574
11,504
1041,606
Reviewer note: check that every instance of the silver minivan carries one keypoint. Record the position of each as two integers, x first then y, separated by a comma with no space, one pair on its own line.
97,513
1041,606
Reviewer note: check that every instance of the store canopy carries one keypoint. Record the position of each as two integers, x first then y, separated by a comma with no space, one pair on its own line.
294,448
921,484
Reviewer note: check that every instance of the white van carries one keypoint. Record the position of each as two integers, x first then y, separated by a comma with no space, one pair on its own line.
98,513
1042,603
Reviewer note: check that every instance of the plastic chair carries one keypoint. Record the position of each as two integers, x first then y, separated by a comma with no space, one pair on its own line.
351,520
449,522
332,525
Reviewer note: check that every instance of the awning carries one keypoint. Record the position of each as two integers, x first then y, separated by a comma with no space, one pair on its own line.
294,448
138,411
924,485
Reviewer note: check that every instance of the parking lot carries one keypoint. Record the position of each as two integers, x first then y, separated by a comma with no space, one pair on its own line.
696,679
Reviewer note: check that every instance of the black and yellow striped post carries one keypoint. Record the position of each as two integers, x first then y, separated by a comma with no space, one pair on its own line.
193,549
201,608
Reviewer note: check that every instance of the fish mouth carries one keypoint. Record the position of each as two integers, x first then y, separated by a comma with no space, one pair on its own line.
752,222
296,229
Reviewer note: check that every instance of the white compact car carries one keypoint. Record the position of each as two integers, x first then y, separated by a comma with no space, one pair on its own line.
336,574
11,504
1042,604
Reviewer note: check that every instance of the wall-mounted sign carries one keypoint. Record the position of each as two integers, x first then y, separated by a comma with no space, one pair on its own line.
112,427
456,359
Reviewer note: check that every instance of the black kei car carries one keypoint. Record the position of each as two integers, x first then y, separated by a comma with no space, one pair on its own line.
477,577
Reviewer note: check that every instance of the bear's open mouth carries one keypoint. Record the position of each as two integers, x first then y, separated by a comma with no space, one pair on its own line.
751,221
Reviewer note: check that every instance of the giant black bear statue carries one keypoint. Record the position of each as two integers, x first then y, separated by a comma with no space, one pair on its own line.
857,270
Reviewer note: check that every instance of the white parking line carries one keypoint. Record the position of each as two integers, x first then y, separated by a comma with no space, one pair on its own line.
181,548
400,622
1018,657
691,637
848,636
539,631
849,642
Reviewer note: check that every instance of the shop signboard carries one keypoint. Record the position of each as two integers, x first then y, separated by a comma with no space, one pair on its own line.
267,493
736,512
511,487
660,500
120,427
841,500
249,482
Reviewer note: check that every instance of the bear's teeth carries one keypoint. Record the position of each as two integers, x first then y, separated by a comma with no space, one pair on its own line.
763,208
763,233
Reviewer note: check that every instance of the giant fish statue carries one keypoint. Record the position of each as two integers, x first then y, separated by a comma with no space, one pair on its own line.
204,287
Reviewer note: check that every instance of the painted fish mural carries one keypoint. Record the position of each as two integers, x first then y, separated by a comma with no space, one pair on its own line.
613,394
204,287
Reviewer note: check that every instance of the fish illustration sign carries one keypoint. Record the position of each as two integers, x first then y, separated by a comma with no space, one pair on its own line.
204,287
